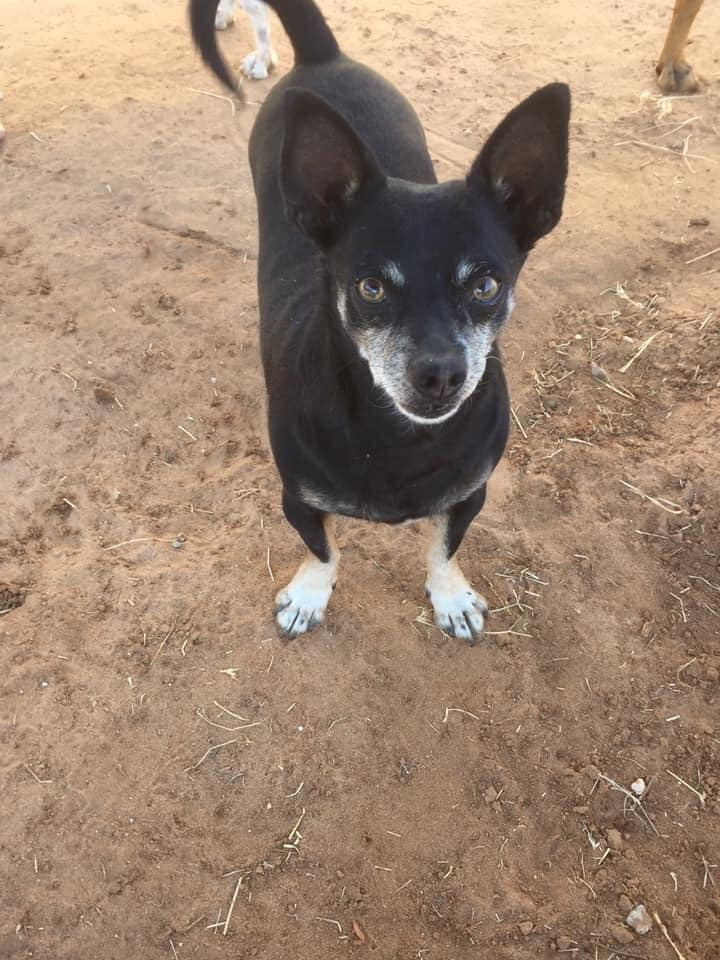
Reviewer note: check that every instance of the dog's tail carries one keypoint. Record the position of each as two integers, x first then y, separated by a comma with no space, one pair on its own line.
312,39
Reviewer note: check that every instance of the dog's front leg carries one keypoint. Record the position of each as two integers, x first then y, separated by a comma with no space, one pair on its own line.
301,605
459,610
675,75
225,14
258,64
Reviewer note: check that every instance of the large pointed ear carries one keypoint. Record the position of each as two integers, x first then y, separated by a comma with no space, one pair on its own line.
525,163
325,169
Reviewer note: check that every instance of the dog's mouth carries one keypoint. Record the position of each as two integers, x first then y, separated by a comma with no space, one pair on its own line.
429,413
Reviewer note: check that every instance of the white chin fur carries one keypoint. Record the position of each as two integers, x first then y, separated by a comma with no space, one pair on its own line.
426,420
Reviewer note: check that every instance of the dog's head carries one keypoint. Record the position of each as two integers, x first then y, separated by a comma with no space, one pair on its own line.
423,274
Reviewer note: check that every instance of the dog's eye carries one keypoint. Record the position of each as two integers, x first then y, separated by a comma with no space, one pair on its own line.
486,289
371,290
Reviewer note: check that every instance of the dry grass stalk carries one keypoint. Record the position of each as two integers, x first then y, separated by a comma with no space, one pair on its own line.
710,253
699,794
663,930
232,906
643,347
163,642
215,96
209,752
635,802
661,502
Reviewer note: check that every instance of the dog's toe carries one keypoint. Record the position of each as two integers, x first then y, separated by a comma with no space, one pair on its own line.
301,605
460,615
294,620
257,66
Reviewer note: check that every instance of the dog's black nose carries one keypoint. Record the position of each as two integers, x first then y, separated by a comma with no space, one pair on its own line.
439,376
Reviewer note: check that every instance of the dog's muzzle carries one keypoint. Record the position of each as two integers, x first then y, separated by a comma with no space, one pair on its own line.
438,378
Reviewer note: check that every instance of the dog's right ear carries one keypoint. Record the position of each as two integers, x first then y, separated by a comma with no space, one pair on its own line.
525,163
325,167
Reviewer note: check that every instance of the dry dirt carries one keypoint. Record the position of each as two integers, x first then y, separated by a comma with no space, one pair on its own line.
160,743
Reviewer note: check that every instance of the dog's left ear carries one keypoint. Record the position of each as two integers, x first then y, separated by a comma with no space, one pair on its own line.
525,163
325,167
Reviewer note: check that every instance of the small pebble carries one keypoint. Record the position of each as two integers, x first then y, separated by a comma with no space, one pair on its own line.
638,787
526,927
639,919
104,395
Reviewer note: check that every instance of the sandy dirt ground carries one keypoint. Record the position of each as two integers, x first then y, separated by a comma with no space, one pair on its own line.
176,781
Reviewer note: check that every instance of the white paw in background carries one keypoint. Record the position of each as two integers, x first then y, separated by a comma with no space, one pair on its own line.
223,20
224,15
258,64
301,605
459,611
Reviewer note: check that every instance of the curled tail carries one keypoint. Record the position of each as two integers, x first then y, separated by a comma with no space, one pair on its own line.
311,37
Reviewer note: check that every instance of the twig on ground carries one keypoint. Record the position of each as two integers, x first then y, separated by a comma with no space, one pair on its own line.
164,641
709,867
629,795
702,256
700,795
34,775
661,502
682,154
449,710
208,752
335,923
517,421
243,726
232,905
713,586
215,96
643,347
663,930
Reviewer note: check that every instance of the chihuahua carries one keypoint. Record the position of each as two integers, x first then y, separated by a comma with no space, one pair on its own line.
382,294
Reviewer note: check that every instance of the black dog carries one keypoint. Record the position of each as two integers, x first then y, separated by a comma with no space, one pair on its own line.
382,294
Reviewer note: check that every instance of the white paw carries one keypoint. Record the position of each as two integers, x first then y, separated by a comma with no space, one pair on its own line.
223,19
461,615
301,605
257,65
